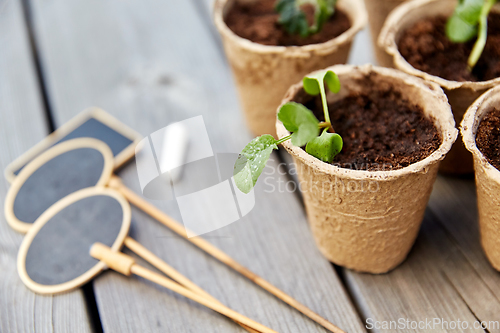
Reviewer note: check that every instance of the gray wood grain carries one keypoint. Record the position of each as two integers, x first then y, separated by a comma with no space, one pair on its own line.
21,126
149,64
454,204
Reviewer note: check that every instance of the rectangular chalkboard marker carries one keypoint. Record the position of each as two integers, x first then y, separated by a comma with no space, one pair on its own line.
94,123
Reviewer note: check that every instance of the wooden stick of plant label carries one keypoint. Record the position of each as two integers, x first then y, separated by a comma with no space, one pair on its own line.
126,265
171,272
179,229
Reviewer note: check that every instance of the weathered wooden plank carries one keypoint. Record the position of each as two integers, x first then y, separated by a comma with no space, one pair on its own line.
22,125
454,204
150,64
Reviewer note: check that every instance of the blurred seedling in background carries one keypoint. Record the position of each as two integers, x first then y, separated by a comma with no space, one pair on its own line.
294,20
470,20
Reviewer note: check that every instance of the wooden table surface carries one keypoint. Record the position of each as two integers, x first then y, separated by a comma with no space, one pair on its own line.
153,62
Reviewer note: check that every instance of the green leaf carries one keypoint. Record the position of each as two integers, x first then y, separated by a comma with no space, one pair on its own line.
294,20
462,26
312,82
478,48
325,147
469,10
470,19
459,30
300,121
324,11
252,161
313,85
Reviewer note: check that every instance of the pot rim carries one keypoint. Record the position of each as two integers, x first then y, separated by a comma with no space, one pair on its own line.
355,9
387,41
468,128
448,131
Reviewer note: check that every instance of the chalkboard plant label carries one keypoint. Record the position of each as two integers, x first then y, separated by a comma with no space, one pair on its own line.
268,53
454,44
481,136
367,218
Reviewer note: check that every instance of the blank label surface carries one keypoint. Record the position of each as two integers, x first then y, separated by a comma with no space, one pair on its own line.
60,251
63,175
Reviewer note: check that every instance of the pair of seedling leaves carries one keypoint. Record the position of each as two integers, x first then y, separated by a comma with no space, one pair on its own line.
305,129
294,20
469,20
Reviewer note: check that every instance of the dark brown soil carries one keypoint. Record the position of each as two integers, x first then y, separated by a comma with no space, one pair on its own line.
380,129
488,137
258,22
426,47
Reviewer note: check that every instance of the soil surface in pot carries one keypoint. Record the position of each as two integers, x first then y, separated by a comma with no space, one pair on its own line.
381,130
426,47
488,137
258,22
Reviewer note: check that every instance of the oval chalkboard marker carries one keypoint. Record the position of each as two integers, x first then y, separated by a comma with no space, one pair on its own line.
78,236
139,202
54,256
68,167
91,123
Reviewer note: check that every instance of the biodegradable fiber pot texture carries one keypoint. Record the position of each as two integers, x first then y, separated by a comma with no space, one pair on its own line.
264,73
487,177
379,9
369,220
460,94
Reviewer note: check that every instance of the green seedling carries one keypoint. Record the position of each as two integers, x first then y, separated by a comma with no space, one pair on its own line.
470,20
306,130
294,20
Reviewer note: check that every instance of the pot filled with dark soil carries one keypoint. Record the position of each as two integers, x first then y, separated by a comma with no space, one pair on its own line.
481,135
366,207
415,36
266,59
379,9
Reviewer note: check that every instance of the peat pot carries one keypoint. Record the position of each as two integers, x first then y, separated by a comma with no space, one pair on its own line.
263,73
368,220
460,94
487,177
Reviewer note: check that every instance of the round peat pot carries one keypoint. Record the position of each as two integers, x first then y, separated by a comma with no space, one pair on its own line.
460,94
368,220
487,176
263,73
379,9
